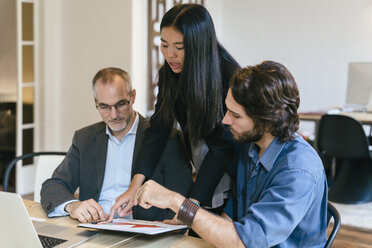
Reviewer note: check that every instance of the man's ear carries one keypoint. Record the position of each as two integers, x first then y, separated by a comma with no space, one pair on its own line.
133,96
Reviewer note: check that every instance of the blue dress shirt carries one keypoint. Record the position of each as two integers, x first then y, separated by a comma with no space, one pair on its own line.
117,171
280,198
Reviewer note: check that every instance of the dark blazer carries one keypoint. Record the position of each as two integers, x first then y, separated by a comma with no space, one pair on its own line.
84,167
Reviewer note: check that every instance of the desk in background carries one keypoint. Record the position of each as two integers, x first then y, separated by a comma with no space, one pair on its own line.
363,117
121,239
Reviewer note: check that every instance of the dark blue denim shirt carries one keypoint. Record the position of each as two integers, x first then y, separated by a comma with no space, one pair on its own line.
280,198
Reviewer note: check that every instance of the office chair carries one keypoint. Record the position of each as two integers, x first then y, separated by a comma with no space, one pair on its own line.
45,167
342,139
332,212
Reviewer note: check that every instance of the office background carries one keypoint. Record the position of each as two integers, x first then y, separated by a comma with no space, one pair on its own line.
315,39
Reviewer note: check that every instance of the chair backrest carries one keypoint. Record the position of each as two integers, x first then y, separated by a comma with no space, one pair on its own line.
341,136
45,167
332,212
42,172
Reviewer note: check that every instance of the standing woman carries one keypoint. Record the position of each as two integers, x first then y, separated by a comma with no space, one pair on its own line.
193,84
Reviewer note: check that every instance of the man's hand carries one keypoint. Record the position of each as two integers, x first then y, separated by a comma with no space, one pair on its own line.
86,211
123,205
174,221
214,229
125,201
153,194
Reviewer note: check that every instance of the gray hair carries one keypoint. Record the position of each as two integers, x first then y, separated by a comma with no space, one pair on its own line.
107,75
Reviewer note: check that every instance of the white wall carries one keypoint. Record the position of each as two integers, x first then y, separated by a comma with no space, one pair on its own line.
314,39
77,39
8,51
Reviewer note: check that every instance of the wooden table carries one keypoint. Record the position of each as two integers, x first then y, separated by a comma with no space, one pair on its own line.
354,237
363,117
120,239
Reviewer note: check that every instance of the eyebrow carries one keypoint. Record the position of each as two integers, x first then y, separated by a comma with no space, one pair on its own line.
102,103
232,111
177,43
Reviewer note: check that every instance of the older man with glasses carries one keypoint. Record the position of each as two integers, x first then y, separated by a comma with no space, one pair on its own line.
102,156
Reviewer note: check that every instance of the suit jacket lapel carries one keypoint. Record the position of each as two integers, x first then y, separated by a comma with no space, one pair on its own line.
100,154
142,125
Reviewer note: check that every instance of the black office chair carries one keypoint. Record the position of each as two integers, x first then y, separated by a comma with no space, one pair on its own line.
22,157
342,139
333,213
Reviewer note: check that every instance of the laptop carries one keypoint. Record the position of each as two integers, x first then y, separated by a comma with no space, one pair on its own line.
17,229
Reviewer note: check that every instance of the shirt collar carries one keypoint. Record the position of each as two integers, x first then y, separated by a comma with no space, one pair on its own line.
270,154
133,130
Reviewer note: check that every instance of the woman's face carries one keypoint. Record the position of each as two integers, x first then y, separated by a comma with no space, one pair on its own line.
172,48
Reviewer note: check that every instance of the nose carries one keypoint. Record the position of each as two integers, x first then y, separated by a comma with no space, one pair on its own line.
113,112
172,53
226,120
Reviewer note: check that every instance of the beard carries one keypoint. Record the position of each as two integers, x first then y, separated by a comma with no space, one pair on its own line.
118,127
249,136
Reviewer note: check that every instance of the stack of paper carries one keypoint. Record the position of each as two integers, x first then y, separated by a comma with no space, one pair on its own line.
134,226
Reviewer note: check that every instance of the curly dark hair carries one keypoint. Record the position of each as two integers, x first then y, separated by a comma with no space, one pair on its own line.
269,94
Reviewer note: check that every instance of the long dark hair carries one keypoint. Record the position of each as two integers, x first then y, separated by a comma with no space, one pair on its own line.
199,85
269,94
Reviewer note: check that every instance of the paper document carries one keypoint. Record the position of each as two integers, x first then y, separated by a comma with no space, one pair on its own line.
134,226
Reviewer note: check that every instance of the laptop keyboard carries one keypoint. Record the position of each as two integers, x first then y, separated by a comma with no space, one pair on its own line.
49,242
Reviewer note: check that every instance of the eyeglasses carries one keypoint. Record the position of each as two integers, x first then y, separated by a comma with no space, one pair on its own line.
106,108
